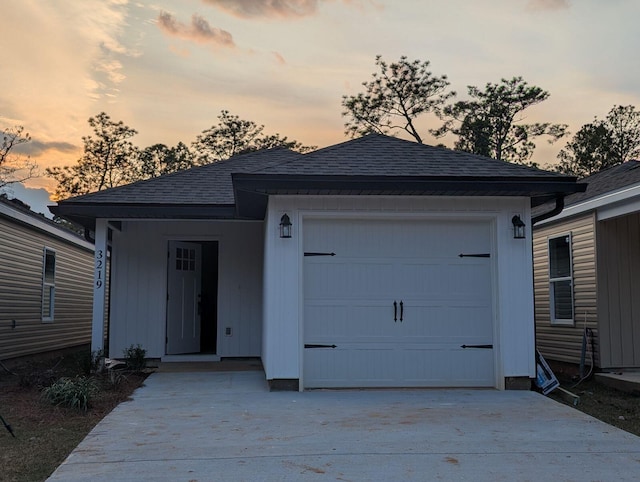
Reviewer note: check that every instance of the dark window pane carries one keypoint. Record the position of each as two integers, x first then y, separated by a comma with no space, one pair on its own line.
49,267
559,257
562,300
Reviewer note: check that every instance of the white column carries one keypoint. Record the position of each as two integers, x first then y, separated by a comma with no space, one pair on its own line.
99,285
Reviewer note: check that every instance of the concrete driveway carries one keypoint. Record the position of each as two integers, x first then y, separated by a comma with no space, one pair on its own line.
227,426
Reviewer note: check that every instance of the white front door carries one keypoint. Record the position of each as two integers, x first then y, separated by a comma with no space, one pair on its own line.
397,306
184,298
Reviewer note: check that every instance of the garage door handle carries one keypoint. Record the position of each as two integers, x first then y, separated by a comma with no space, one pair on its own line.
395,311
401,311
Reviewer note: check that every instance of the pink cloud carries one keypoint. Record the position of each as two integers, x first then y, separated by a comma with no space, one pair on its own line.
198,31
278,8
266,8
279,58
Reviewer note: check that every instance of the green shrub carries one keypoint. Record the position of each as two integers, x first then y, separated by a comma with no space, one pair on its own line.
134,357
71,392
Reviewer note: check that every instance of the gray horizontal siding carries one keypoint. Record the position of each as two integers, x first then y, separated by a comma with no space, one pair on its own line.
21,259
564,343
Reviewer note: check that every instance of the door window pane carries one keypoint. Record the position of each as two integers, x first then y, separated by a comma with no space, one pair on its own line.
185,259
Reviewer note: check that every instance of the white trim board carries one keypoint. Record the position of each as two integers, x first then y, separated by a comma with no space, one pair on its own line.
43,226
615,203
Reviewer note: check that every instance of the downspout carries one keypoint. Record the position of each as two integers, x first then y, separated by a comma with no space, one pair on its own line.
555,211
541,217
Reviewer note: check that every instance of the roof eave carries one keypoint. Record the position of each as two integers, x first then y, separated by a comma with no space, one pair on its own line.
252,190
85,213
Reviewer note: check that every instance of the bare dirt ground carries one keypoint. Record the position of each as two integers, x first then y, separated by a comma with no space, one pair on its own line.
46,434
614,407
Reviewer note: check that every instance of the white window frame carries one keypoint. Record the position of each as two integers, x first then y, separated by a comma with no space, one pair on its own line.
48,286
552,281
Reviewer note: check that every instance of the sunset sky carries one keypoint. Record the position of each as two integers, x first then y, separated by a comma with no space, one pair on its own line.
167,68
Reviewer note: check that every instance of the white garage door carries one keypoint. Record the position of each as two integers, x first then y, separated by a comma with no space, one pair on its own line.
397,306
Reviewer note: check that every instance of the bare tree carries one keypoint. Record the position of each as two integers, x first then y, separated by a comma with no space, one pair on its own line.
14,167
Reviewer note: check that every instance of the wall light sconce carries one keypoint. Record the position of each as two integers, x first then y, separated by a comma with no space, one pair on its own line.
285,226
518,227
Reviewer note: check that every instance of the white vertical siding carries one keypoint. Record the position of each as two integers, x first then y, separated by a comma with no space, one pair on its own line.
283,272
139,283
21,258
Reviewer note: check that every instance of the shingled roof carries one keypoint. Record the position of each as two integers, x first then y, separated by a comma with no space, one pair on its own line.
203,192
614,179
381,155
608,180
371,165
208,184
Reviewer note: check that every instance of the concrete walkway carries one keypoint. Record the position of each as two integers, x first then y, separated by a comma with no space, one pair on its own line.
227,426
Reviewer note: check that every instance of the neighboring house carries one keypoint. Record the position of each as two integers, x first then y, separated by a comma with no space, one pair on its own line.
46,275
376,262
587,272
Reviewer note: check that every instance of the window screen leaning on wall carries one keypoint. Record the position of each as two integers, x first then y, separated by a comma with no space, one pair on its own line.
561,280
48,284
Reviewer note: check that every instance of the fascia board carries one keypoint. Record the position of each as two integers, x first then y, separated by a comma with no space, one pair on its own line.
608,205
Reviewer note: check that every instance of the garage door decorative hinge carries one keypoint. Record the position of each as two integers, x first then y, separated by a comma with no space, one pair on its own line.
486,347
481,255
319,254
320,346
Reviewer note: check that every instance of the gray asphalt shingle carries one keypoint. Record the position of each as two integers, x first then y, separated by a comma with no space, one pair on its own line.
603,182
209,184
380,155
372,155
612,179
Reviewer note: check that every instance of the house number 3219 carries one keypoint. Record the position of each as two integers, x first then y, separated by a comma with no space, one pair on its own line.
99,268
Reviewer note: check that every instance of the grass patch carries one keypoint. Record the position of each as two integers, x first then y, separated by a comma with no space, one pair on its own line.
74,392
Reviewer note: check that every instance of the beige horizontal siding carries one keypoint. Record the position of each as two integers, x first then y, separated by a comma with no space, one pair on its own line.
21,260
564,343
